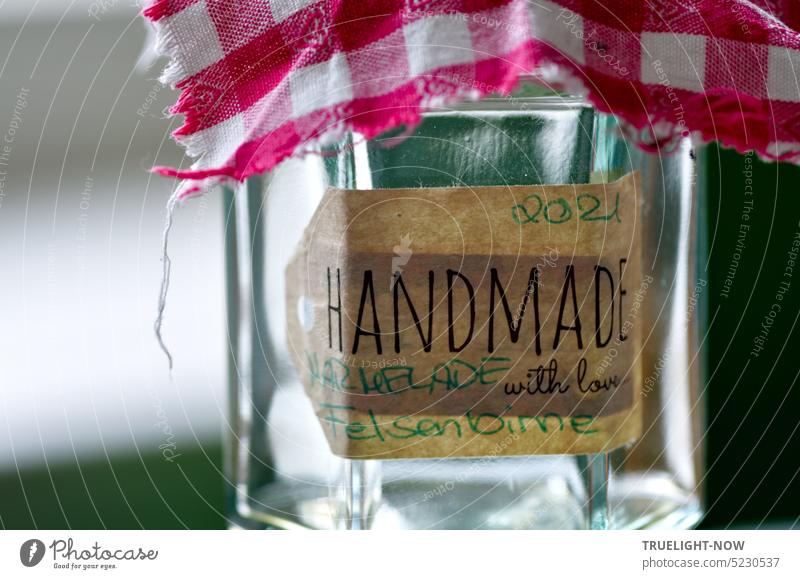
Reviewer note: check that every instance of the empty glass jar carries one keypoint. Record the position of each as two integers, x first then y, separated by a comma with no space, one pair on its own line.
323,435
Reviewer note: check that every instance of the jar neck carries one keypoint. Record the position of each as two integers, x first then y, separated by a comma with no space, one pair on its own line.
531,93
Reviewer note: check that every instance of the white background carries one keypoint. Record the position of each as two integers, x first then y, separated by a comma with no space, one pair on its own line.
421,554
80,370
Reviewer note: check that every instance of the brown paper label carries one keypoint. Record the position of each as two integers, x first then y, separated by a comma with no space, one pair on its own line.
471,321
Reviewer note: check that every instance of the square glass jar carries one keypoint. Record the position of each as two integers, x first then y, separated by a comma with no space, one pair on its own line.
282,469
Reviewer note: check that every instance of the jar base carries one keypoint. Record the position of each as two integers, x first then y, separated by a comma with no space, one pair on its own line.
512,493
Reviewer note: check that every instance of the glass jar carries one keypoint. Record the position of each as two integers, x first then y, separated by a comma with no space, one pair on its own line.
282,455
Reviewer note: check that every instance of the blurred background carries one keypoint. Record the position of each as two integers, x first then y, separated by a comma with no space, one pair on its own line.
96,433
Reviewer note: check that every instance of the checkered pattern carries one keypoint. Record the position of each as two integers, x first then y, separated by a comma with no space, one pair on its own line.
262,80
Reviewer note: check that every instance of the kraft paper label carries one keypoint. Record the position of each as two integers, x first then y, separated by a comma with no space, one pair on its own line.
471,321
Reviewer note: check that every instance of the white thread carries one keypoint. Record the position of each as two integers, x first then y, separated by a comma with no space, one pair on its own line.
166,265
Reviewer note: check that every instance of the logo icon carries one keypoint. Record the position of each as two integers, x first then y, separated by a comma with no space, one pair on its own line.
32,552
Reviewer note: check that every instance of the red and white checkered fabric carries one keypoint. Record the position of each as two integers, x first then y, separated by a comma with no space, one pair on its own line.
262,80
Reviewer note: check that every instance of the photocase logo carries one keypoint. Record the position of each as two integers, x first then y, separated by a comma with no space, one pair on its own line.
32,552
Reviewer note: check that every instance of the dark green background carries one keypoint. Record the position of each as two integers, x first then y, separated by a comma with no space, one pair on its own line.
752,442
753,458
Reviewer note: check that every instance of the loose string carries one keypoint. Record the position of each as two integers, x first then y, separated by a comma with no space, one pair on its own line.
166,267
